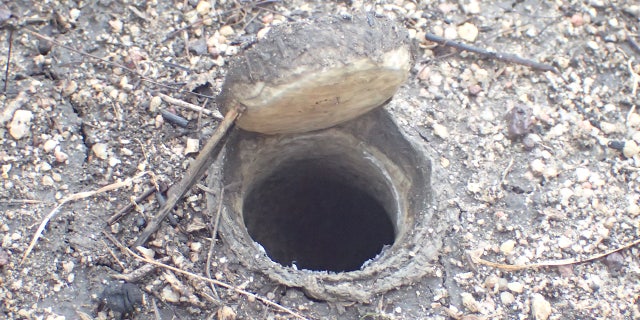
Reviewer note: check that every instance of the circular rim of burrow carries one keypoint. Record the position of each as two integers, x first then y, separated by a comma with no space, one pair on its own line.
402,161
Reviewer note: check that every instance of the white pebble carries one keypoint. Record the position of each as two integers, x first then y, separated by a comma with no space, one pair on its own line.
516,287
630,149
468,32
193,145
582,174
507,298
20,124
537,166
507,247
100,150
540,307
49,145
440,131
564,242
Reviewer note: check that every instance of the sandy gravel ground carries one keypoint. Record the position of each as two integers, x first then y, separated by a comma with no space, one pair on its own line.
529,167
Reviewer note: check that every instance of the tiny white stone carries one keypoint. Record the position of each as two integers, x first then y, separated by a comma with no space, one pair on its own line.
582,174
440,131
49,145
630,149
100,150
507,298
540,307
507,247
193,145
20,124
537,166
468,32
516,287
564,242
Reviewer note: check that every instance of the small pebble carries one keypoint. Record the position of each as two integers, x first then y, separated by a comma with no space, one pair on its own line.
440,131
20,124
630,149
471,7
193,145
469,302
100,150
507,298
169,295
519,121
564,242
582,174
540,307
537,166
4,257
226,313
614,262
203,7
507,247
516,287
468,32
49,145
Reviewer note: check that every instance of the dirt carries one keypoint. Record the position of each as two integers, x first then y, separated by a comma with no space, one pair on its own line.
563,184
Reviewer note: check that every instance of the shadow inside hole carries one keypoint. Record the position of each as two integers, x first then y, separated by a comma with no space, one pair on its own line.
314,216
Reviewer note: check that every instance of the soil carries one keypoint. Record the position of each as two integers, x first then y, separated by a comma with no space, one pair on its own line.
527,166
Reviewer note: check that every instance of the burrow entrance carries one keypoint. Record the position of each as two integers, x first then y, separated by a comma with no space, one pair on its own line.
316,214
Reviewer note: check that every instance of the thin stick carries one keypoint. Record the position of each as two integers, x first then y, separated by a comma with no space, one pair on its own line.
118,215
216,114
216,282
197,169
553,263
74,197
511,58
6,71
214,234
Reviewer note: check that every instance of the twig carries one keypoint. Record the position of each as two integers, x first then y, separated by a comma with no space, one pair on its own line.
197,169
216,282
25,201
74,197
214,234
113,255
552,263
6,71
506,57
137,274
118,215
215,114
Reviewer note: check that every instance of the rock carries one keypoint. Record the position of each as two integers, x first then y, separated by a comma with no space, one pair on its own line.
540,307
226,313
564,242
630,149
507,298
49,145
20,124
537,166
516,287
440,131
469,302
100,150
582,174
507,247
468,32
170,295
193,145
472,7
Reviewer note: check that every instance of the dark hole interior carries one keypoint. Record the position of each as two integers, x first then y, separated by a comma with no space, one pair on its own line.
316,215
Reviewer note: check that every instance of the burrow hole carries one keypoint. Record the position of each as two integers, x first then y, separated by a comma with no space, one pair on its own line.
321,214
